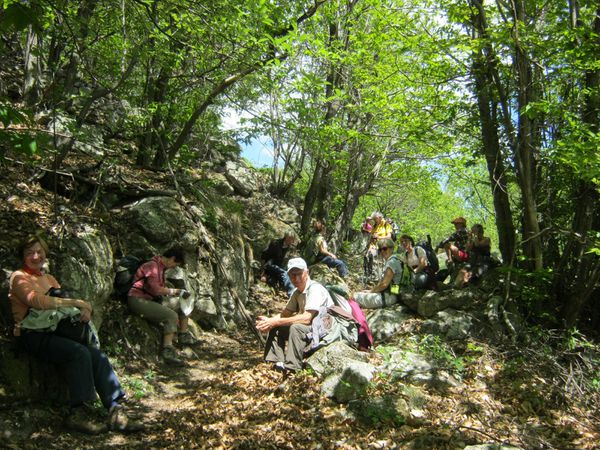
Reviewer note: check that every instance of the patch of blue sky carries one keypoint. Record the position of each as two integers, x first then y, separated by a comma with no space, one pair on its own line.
258,150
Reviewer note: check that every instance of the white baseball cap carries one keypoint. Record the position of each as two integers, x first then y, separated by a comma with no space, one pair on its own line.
296,263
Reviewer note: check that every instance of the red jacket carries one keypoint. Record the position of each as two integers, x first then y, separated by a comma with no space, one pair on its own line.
149,280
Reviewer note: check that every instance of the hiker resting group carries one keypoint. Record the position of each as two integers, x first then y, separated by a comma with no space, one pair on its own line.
54,327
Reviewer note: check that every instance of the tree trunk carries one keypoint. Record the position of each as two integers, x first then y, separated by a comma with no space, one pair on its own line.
484,80
525,157
32,68
579,271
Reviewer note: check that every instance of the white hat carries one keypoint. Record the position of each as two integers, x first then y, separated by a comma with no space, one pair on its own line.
296,263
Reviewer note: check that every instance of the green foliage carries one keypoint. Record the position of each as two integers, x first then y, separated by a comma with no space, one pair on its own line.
16,134
140,387
442,353
533,293
17,16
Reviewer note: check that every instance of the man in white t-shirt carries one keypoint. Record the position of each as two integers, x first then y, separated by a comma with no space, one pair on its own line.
294,322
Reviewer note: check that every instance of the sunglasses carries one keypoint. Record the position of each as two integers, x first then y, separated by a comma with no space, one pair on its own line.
384,248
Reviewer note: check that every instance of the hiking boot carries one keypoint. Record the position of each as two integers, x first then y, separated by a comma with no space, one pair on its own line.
170,356
79,420
119,421
187,338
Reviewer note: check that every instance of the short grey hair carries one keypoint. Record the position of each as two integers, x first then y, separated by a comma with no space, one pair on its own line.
377,214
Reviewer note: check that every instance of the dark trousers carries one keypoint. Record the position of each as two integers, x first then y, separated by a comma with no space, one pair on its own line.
278,275
86,370
336,264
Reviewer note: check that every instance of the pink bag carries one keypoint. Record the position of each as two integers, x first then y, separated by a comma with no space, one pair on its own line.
365,338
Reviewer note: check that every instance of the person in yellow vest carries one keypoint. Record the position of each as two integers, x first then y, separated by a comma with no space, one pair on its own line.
381,230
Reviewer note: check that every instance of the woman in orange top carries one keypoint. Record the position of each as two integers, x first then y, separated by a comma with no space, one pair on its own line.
86,369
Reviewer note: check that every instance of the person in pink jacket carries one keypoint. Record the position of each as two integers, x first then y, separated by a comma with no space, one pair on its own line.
143,300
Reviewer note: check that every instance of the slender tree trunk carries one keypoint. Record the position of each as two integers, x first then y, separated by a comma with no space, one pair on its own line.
526,151
320,185
84,14
579,271
33,68
483,62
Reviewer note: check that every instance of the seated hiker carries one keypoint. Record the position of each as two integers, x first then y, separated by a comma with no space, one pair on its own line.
288,331
273,258
395,228
421,274
145,296
455,245
367,225
381,230
316,251
386,291
86,370
480,259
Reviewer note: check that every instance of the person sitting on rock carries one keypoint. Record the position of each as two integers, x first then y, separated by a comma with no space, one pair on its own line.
144,299
273,258
316,251
386,291
480,259
367,225
85,369
381,230
455,245
415,258
287,338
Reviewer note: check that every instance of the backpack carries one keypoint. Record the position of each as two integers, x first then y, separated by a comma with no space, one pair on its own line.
432,258
125,276
340,298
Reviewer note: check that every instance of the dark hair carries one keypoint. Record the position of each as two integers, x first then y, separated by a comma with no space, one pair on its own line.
406,237
176,252
478,227
386,243
319,226
30,241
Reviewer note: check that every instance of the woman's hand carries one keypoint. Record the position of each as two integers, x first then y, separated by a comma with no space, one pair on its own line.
85,315
84,306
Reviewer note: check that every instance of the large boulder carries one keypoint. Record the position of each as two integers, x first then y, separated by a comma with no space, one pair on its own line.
432,302
242,178
84,266
346,371
453,324
416,369
386,322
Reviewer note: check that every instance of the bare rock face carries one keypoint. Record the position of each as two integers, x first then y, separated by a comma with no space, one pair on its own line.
84,266
242,178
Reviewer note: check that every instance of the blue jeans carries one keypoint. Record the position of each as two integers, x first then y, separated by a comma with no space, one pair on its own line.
86,370
278,276
336,264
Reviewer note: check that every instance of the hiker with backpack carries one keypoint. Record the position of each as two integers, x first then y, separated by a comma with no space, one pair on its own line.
422,273
387,291
287,331
455,245
145,296
316,251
